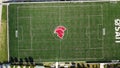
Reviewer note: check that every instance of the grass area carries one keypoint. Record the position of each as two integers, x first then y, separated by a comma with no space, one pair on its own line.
32,31
3,35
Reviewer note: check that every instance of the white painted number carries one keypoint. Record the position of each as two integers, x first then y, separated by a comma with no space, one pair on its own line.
117,30
117,34
117,22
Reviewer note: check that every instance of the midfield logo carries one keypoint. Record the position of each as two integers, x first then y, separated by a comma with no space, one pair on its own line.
60,31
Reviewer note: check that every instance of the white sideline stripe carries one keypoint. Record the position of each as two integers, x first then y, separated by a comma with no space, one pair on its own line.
102,36
17,28
117,41
8,31
63,1
104,31
59,6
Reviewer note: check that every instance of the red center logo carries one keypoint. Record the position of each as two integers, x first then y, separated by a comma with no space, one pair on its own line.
59,30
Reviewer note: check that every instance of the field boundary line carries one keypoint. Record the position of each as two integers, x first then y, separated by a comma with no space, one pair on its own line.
57,6
66,17
45,49
83,58
63,1
8,31
17,29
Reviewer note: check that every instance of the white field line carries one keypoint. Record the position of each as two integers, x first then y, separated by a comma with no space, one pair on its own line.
24,17
17,29
60,49
59,24
99,36
96,48
35,49
86,32
64,1
83,58
89,31
8,32
31,33
65,17
22,32
102,36
57,6
59,15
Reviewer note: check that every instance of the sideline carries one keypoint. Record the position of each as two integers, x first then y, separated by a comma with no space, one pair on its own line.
0,13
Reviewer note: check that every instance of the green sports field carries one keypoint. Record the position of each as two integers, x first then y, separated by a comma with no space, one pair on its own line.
91,33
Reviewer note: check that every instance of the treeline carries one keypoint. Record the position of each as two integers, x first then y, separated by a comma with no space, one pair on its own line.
27,60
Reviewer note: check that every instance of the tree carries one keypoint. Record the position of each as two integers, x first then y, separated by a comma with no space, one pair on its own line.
16,59
11,60
30,59
78,65
88,65
21,61
26,60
